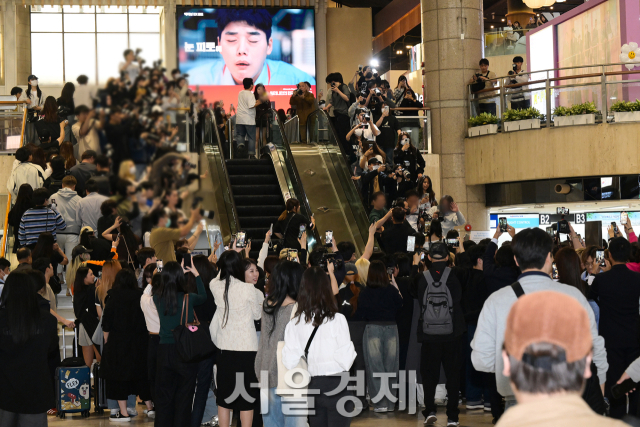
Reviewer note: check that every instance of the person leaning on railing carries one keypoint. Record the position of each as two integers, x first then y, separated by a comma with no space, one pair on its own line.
485,79
519,99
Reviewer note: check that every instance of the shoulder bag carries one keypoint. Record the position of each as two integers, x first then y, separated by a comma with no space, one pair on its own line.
283,389
193,341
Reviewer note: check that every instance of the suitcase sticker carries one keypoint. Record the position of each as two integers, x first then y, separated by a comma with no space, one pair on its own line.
74,396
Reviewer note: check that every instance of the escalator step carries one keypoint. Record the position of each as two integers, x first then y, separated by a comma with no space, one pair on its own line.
246,190
257,221
267,211
255,234
258,200
253,179
247,162
251,170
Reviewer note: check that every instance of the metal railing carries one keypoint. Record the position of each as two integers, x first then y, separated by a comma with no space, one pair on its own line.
547,89
211,136
10,116
505,42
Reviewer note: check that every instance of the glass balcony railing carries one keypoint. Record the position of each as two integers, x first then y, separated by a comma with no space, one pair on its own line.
505,42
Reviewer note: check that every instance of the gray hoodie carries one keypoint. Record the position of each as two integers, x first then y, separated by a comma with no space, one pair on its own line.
67,205
486,346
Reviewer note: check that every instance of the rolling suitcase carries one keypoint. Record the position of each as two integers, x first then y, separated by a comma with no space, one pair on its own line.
73,383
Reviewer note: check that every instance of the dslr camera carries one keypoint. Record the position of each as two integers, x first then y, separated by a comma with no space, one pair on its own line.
377,92
367,117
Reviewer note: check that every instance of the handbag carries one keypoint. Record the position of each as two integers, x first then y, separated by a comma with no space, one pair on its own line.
32,115
278,244
193,342
283,389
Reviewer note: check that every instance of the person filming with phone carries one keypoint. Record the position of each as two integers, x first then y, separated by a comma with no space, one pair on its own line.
519,99
290,224
448,214
365,128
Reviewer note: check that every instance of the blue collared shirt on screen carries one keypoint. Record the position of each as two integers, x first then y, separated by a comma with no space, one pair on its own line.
273,73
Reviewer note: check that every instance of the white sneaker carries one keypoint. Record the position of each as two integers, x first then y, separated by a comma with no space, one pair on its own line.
132,412
430,420
452,423
118,418
151,413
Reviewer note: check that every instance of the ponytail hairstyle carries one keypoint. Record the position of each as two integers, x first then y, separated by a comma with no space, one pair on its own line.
289,207
230,265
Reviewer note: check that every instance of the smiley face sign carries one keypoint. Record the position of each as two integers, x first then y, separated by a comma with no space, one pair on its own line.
632,55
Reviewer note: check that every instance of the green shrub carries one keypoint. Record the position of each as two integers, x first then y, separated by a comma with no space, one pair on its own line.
483,119
525,114
577,109
625,106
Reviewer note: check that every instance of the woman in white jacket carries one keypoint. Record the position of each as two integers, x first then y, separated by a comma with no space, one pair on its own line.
233,331
331,352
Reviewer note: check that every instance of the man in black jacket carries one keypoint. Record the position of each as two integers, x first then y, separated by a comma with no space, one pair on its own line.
439,350
617,292
499,266
394,237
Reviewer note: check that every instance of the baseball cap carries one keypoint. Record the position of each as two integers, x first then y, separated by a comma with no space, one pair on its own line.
86,228
373,161
438,251
79,250
350,268
559,320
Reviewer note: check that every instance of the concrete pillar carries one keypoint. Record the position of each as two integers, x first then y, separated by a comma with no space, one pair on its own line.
452,32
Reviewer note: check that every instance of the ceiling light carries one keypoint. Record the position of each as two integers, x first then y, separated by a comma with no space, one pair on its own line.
502,19
374,63
399,52
551,8
408,47
492,26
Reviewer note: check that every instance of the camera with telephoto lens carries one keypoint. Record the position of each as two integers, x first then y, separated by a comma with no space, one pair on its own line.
423,213
367,117
377,92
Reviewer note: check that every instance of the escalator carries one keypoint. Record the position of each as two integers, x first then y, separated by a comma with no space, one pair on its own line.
255,191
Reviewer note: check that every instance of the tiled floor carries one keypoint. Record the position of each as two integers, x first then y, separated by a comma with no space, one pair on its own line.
369,419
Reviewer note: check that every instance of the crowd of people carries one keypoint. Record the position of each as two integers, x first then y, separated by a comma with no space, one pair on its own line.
527,327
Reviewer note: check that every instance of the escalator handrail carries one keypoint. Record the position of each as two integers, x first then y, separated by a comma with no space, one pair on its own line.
234,213
300,193
5,230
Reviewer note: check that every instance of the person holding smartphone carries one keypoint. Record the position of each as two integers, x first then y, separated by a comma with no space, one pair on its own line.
406,154
289,222
365,128
389,131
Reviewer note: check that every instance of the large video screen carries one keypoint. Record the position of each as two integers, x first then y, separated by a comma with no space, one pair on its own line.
218,48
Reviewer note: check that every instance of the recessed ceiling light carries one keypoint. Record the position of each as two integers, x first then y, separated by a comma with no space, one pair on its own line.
492,26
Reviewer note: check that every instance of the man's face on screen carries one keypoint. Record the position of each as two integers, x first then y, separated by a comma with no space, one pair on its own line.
244,49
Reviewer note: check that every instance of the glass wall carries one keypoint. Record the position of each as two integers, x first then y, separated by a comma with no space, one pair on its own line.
67,41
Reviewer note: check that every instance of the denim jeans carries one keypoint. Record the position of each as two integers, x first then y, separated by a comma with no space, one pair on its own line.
275,417
211,407
381,355
113,404
203,386
476,382
250,132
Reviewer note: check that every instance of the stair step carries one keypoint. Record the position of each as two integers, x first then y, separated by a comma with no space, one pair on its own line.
245,170
256,234
258,221
267,211
255,200
248,162
253,179
246,190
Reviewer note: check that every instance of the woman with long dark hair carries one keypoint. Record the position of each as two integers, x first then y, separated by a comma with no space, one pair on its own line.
407,155
22,203
66,108
233,331
58,171
52,123
289,223
263,105
175,379
124,360
569,272
35,102
378,304
27,335
319,325
46,247
277,310
426,193
84,308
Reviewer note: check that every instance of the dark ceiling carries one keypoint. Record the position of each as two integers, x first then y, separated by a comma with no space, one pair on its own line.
494,13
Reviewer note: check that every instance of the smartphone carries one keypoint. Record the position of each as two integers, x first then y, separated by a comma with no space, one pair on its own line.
271,229
159,265
502,223
615,228
411,243
385,109
422,256
390,271
453,242
328,238
624,218
559,211
303,228
550,231
186,258
600,258
292,255
241,239
619,390
554,271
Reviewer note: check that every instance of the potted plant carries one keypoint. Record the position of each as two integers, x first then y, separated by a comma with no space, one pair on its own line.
578,114
626,111
528,118
483,124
